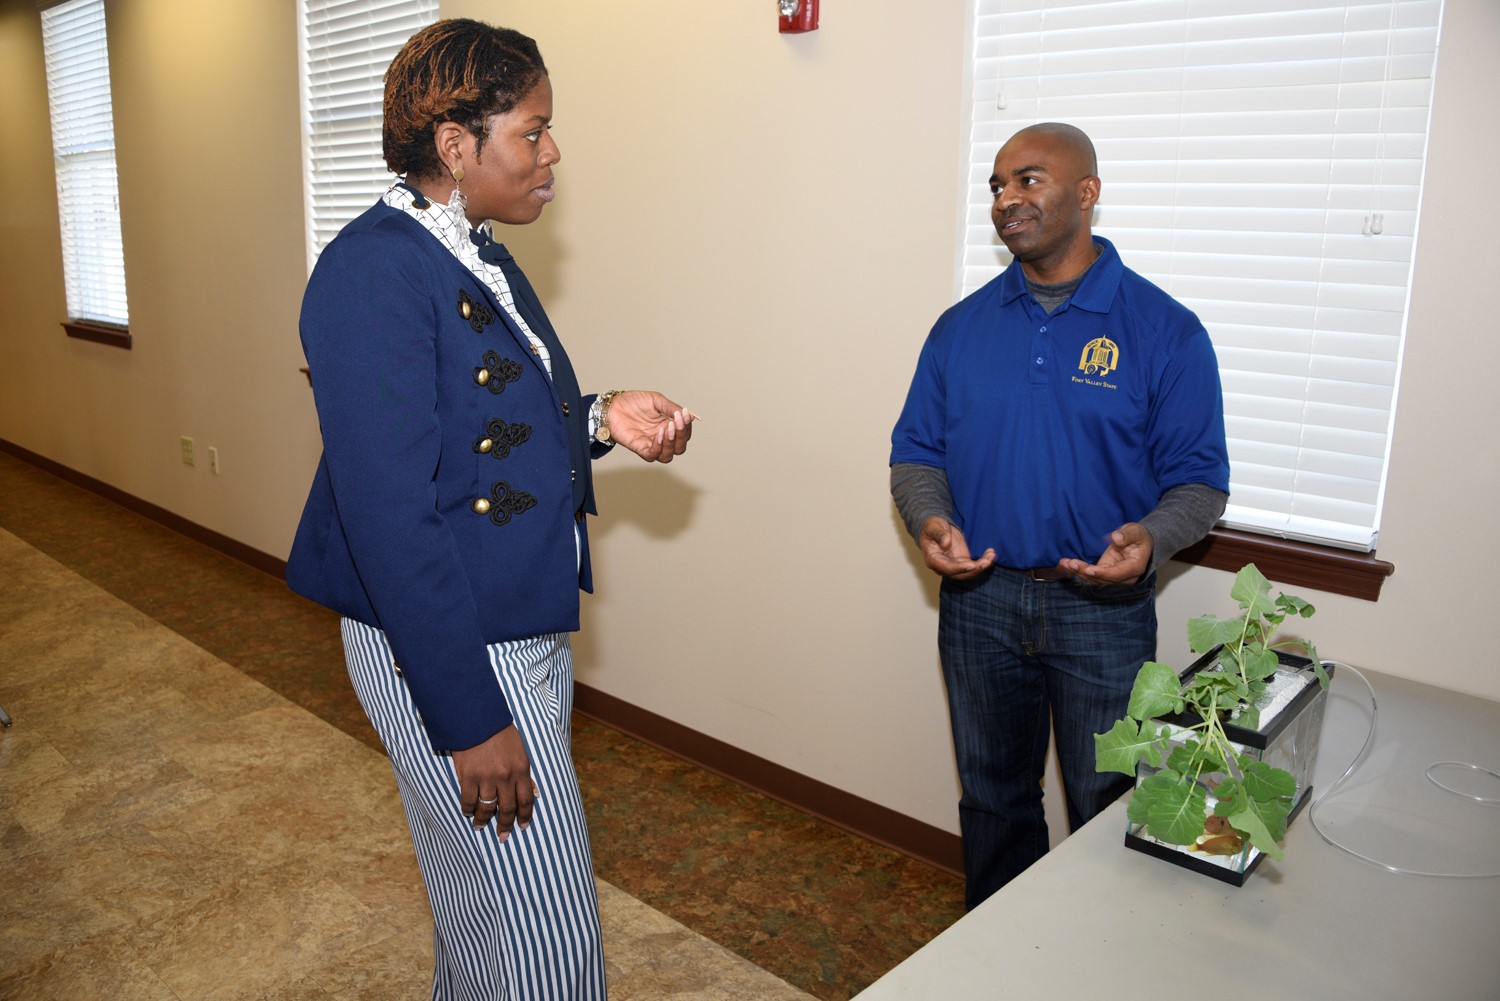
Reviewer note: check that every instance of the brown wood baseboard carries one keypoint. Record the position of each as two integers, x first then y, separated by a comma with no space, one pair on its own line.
213,540
861,817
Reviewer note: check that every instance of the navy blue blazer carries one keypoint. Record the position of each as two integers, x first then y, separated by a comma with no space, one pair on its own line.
453,474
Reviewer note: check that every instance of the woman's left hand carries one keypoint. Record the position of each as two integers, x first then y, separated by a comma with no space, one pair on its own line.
649,424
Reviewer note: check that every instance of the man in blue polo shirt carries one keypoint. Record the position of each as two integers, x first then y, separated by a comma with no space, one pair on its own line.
1065,424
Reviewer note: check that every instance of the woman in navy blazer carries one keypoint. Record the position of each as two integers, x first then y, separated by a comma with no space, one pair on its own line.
447,518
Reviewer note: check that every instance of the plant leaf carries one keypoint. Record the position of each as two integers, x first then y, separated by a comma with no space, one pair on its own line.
1293,605
1126,743
1317,665
1172,807
1252,591
1203,684
1195,757
1156,692
1225,797
1208,631
1259,663
1267,782
1271,791
1251,823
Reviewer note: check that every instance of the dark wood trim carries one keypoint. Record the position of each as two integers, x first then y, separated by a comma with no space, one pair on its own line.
859,816
1292,564
232,548
100,333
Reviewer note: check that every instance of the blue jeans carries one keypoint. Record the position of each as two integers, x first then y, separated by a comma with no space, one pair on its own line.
1019,657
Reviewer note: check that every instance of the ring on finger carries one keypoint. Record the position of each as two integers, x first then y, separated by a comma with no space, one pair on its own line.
489,802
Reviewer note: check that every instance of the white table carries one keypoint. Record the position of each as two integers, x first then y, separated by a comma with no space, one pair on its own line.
1095,920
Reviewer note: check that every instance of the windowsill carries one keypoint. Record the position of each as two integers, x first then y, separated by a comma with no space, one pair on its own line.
99,333
1295,564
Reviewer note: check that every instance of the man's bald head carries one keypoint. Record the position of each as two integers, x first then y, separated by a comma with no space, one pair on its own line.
1079,147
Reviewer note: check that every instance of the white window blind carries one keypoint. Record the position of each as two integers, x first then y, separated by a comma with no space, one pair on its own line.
346,46
76,57
1262,161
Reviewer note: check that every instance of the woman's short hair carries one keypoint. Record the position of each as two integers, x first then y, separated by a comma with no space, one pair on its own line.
459,71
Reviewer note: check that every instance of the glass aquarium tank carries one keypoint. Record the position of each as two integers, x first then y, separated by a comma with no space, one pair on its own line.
1286,737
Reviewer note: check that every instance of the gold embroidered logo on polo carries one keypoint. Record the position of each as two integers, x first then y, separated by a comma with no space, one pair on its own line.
1100,357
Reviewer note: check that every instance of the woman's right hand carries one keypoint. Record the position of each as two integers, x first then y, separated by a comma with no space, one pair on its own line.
494,781
650,425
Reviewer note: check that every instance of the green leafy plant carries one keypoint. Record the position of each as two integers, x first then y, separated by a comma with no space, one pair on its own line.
1251,798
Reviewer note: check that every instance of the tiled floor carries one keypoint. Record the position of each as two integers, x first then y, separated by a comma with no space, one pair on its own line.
172,829
819,908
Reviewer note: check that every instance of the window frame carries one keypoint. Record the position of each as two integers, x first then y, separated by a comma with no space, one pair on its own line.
80,284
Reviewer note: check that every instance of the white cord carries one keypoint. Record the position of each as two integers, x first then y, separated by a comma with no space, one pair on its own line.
1312,811
1487,800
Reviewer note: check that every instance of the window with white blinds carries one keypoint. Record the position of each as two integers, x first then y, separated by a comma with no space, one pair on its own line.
346,46
1262,161
76,56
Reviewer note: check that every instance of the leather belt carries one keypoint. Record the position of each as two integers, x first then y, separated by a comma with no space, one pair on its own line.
1043,575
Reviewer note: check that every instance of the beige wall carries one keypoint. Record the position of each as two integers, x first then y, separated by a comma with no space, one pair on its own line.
206,126
761,226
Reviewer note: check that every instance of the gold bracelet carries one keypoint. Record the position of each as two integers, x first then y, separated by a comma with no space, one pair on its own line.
602,432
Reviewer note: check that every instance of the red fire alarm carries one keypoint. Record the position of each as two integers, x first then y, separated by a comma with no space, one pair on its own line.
798,16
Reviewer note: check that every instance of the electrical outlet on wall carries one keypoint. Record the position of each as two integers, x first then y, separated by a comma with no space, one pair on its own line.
213,459
188,459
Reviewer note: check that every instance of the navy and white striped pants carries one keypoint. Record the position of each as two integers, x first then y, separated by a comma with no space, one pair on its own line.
513,921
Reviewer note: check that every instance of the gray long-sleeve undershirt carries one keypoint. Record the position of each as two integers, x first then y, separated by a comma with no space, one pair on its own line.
1183,515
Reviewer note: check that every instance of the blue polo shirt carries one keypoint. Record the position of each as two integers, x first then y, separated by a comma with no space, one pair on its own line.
1055,430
